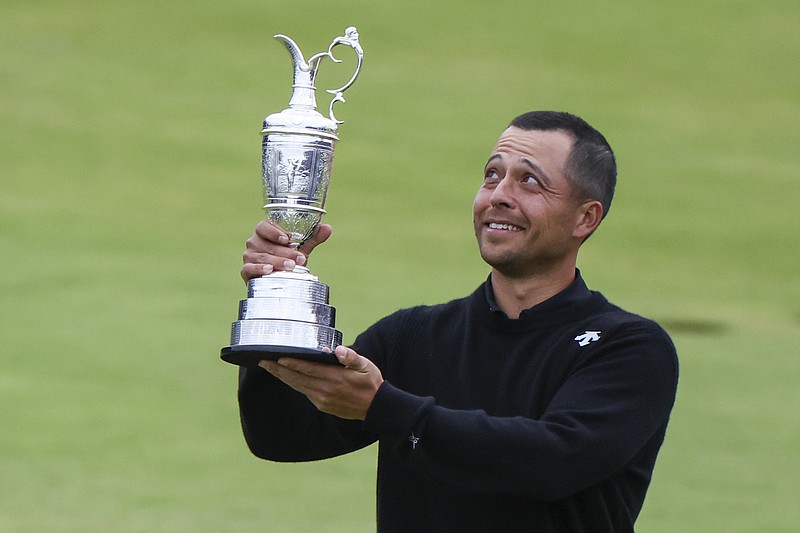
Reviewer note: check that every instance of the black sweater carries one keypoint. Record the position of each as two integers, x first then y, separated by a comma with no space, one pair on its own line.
550,422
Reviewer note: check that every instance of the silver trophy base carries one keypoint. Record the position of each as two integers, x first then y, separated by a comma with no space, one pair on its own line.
251,355
286,314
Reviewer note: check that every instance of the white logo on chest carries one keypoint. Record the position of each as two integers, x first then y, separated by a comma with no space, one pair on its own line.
587,336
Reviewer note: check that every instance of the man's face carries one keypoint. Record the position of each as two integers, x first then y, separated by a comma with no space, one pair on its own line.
525,211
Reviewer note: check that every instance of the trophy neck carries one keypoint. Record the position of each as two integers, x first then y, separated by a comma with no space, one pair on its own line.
303,89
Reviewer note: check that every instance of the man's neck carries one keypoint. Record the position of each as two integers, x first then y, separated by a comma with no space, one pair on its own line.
515,294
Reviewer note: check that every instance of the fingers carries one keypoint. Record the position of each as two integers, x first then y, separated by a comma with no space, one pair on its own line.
346,392
303,376
259,264
270,232
268,250
270,244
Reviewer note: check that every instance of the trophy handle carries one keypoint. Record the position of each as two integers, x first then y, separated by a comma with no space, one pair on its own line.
350,38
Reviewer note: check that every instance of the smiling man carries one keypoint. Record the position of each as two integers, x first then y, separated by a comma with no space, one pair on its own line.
532,404
530,218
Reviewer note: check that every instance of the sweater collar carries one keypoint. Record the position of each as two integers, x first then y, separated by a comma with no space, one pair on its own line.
569,302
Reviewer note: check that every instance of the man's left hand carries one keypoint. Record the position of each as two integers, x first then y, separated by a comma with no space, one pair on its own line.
344,391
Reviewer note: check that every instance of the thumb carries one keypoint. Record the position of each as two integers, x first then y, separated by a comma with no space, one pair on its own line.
351,359
321,235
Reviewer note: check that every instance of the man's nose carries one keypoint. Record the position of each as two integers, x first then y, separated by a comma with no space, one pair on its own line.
503,194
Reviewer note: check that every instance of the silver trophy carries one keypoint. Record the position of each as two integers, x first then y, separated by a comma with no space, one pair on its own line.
287,313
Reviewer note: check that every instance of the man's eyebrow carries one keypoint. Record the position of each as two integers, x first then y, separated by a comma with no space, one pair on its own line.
536,168
492,158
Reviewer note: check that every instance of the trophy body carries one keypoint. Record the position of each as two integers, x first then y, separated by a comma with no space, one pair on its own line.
287,313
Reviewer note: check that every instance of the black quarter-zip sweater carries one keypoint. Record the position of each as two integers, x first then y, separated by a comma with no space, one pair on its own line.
546,423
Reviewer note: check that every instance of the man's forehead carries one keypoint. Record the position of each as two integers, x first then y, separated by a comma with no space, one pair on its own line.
549,145
554,138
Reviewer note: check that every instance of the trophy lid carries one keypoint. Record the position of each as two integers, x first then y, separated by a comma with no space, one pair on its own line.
300,121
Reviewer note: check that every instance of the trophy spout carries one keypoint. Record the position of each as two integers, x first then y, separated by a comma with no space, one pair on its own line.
304,76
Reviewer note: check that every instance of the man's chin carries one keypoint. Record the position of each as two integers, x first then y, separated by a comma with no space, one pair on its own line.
505,263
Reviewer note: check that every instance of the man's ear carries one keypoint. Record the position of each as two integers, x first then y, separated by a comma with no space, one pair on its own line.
588,217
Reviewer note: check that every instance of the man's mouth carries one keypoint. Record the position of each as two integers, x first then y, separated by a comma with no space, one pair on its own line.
503,226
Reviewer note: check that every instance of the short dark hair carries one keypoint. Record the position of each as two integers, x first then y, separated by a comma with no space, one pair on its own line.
591,166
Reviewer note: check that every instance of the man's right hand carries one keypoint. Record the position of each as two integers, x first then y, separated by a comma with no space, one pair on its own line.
268,250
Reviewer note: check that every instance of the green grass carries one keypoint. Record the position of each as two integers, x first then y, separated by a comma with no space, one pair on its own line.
130,155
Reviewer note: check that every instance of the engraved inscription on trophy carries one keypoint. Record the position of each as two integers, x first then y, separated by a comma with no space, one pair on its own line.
287,313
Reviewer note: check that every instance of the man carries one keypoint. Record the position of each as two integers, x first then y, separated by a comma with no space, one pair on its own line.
531,405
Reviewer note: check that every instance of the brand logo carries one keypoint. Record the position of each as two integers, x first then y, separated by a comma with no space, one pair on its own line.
587,337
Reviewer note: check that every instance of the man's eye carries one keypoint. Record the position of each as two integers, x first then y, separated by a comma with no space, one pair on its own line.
530,179
491,175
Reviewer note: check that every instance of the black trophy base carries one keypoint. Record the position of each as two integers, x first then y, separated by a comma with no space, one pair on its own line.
250,354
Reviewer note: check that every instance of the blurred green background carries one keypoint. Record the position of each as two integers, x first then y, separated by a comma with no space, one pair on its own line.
130,180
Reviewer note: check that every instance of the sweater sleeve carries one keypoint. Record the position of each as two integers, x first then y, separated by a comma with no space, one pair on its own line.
281,424
613,406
